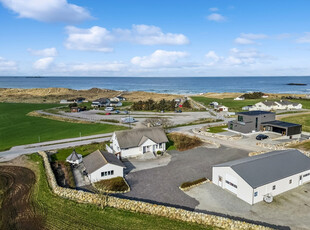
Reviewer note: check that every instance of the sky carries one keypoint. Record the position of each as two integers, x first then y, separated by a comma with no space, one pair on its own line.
154,38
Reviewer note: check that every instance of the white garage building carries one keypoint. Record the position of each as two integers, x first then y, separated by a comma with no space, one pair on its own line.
101,165
269,174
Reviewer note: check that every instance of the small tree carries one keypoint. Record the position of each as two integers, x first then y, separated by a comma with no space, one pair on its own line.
72,105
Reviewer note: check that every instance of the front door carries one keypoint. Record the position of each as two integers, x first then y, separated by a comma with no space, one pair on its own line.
144,149
153,148
220,181
300,180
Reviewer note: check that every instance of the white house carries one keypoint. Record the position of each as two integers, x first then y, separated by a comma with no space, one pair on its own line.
275,105
101,165
240,98
74,158
222,108
116,103
100,102
253,179
134,142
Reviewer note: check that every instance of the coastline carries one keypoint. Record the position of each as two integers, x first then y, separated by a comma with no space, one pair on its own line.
54,95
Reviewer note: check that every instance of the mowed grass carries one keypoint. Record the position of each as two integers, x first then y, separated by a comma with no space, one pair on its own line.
84,150
217,129
235,106
16,128
62,213
303,119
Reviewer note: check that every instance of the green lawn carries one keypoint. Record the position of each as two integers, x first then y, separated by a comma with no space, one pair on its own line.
59,213
217,129
84,150
17,129
234,106
304,120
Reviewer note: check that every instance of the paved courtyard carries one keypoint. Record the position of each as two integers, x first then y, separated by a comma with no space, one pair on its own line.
161,184
290,209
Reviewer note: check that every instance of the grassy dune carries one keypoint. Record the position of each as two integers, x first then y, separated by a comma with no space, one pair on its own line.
16,128
62,213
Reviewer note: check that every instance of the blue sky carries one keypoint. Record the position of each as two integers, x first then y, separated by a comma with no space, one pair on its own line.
154,38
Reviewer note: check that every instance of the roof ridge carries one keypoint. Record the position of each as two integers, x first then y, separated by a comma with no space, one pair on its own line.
103,156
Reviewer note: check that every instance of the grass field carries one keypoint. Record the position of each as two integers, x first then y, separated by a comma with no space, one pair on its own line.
17,129
304,120
62,213
217,129
236,106
84,150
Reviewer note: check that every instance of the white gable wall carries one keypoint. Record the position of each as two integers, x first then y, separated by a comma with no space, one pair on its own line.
243,191
96,176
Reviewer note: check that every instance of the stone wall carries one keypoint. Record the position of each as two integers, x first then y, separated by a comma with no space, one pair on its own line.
143,207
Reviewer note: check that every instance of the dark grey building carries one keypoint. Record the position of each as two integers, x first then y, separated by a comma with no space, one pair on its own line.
254,121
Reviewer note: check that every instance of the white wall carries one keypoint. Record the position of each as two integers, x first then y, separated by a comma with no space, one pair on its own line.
282,185
96,176
244,190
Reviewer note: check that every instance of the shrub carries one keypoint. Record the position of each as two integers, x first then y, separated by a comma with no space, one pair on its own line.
116,184
184,142
158,152
191,183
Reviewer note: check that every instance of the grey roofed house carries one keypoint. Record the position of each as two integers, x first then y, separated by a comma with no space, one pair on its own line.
269,103
136,137
97,159
269,167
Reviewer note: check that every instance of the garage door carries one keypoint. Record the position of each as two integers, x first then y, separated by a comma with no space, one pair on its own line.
231,183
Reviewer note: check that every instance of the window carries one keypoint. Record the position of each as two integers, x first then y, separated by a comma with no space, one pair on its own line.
240,118
228,182
160,145
290,181
273,187
157,146
109,173
112,172
256,122
105,173
307,174
255,193
102,174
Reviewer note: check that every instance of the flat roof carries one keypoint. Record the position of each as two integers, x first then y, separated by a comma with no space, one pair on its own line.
255,113
280,124
269,167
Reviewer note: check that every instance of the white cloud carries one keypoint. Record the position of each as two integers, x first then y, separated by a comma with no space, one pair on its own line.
216,17
246,39
100,39
6,65
213,9
43,63
83,68
304,39
48,10
48,52
160,58
236,57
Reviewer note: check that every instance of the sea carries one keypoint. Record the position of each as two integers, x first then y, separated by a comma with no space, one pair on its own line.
170,85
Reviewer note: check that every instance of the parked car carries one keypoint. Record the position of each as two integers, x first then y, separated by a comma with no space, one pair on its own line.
108,114
126,112
109,109
261,137
117,111
178,111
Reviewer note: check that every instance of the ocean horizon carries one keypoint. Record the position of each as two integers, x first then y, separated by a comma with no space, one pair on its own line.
170,85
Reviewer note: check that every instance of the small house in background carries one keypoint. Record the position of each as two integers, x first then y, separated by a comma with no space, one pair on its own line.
74,158
265,96
64,101
214,104
116,103
101,165
80,100
222,108
247,107
101,102
240,98
120,98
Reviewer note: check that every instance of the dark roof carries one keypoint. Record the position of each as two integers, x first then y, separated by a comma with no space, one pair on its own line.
98,159
74,156
280,123
269,167
255,113
269,103
132,138
102,100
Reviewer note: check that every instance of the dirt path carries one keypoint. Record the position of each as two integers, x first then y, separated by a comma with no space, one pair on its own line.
17,211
